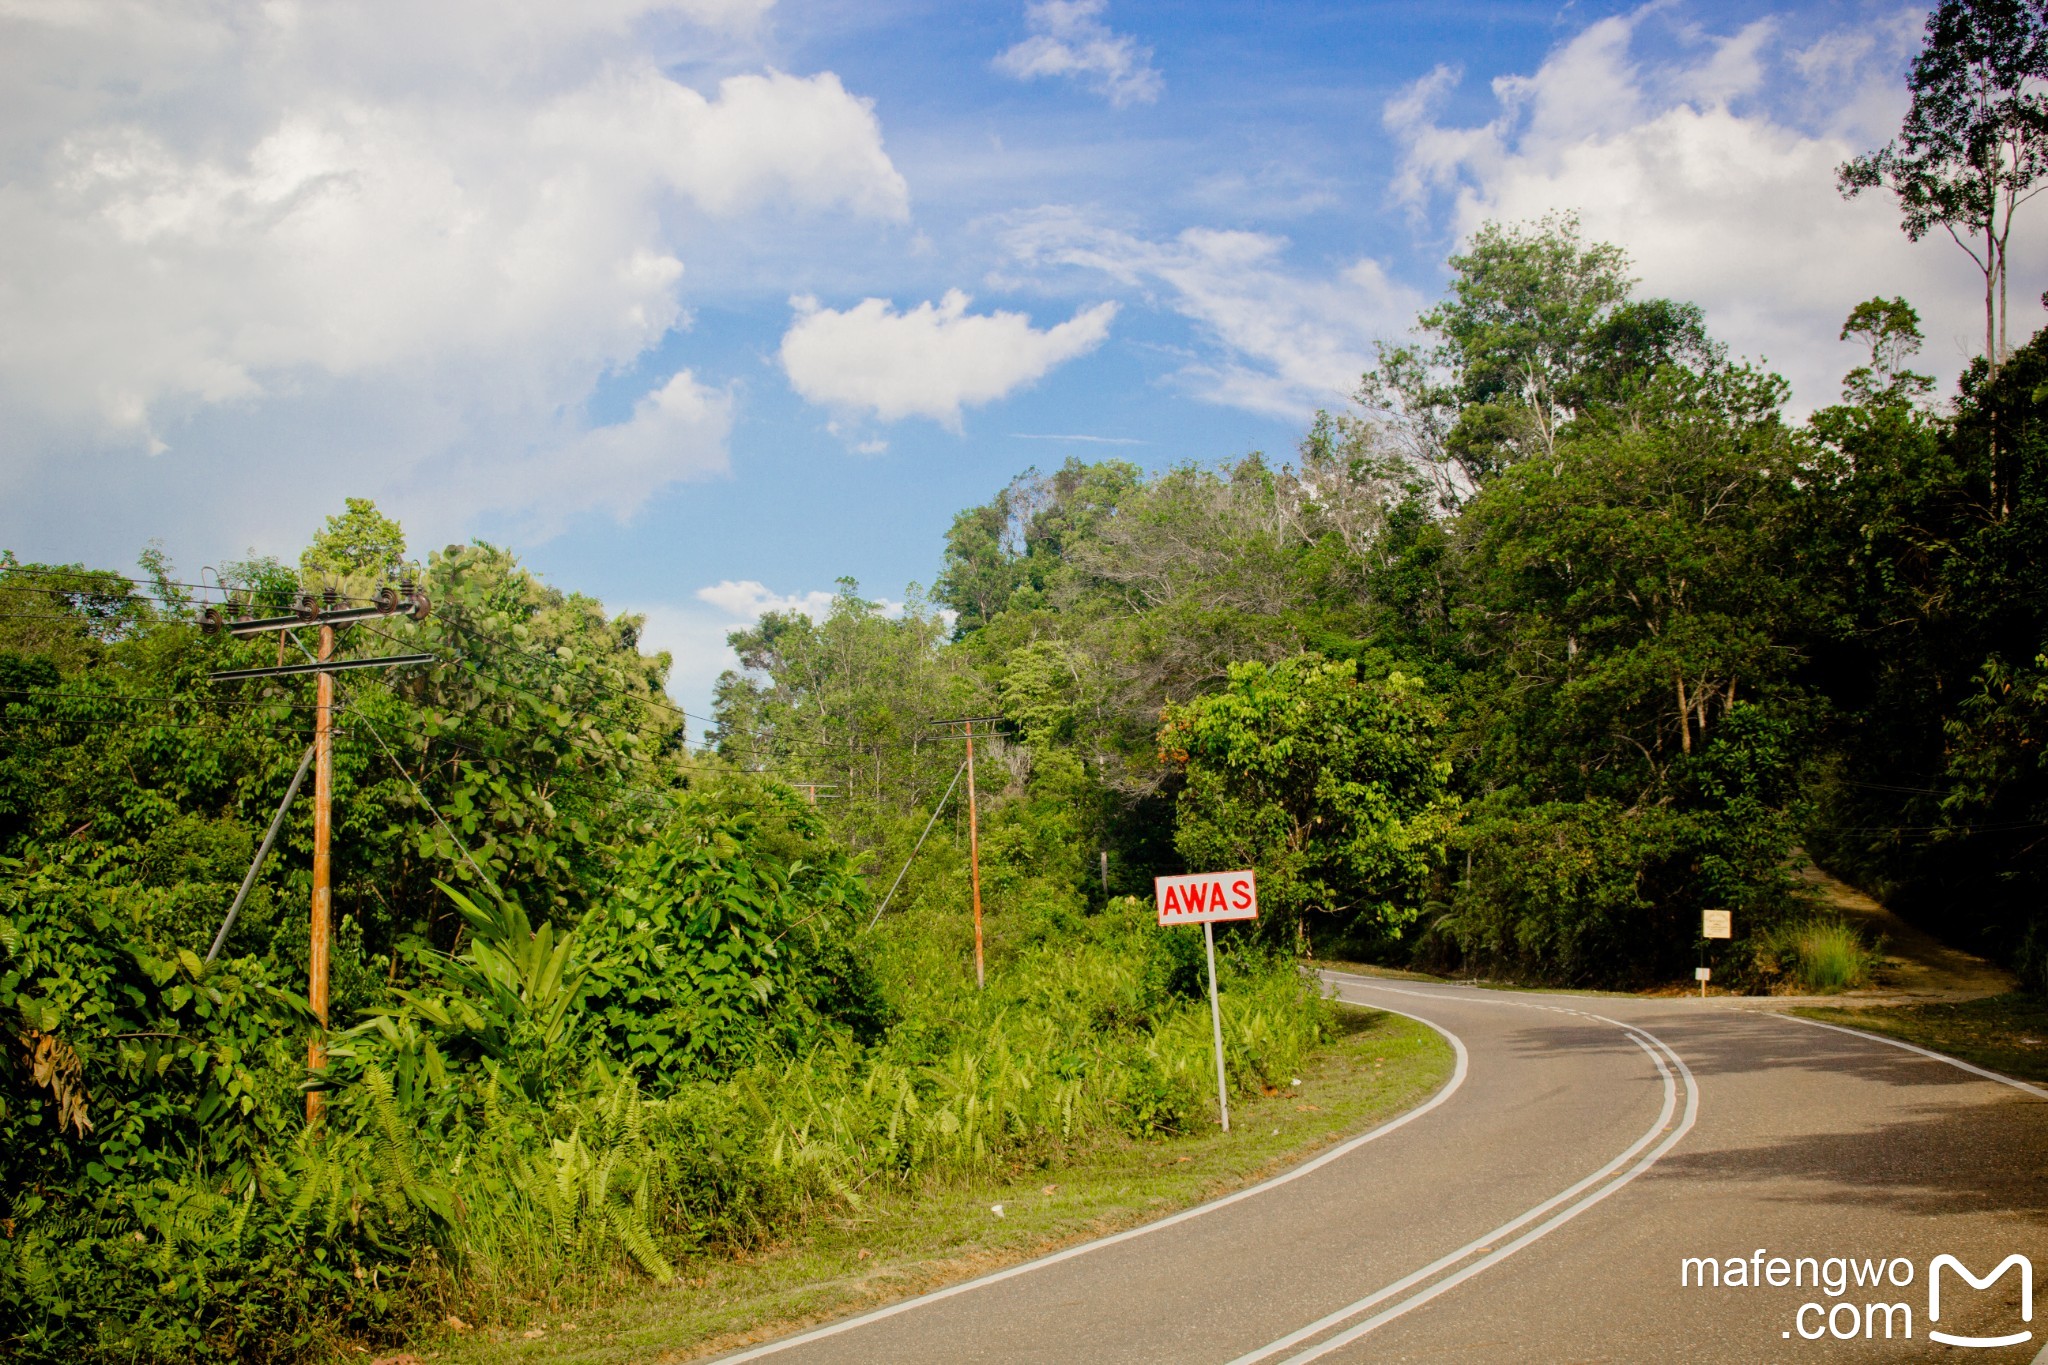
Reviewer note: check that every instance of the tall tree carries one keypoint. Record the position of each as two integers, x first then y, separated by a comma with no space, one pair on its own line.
1974,145
1536,331
358,540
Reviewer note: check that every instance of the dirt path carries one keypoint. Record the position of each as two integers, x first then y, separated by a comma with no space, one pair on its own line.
1918,968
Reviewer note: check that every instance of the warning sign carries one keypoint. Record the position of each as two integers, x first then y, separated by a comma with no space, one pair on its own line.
1203,897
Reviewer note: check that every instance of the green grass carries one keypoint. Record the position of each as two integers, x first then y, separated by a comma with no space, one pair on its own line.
898,1244
2005,1033
1822,955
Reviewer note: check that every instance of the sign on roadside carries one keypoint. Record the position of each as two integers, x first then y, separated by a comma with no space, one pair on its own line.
1717,924
1204,897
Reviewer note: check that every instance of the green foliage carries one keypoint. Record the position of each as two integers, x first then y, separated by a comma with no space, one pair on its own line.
1928,536
719,947
357,542
1820,955
1331,787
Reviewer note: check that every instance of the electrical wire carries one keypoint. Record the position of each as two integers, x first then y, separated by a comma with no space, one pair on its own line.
488,879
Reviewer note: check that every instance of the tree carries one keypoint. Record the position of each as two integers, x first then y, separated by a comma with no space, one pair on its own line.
357,541
1331,787
1974,145
1891,329
1627,593
1537,331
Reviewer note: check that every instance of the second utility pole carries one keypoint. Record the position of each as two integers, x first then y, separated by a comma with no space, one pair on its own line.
974,859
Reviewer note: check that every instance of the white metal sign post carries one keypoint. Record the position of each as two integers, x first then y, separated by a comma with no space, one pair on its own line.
1203,898
1713,924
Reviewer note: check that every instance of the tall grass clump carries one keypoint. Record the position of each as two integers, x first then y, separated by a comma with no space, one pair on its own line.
1821,955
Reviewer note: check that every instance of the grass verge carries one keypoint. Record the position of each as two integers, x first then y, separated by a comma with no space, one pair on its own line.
898,1244
2005,1033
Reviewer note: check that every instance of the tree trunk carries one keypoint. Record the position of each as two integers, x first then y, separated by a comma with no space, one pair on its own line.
1990,296
1684,717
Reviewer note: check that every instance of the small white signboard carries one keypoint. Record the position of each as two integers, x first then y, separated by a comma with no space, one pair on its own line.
1204,897
1717,924
1703,973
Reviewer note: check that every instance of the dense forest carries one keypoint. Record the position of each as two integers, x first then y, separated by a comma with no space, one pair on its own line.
1561,635
1558,635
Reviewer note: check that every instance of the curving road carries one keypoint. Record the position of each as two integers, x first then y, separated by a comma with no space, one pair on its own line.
1542,1206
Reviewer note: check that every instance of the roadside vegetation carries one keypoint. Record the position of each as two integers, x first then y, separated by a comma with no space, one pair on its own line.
904,1240
1820,955
1559,635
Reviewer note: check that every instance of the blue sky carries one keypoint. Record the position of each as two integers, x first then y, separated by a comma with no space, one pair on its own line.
700,305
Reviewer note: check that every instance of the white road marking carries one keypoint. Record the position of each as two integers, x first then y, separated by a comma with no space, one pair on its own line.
2041,1358
1924,1052
1450,1087
1658,1052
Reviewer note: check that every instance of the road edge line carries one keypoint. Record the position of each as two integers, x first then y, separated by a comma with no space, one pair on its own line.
1971,1067
1443,1092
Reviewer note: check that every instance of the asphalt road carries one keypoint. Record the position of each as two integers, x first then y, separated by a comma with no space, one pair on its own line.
1543,1204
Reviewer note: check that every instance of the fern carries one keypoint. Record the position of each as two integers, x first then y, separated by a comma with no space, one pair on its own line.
398,1183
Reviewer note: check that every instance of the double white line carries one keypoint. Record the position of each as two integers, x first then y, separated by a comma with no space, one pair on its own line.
1661,1136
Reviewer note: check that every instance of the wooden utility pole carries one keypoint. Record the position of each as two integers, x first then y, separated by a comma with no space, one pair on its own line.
326,616
323,891
974,860
965,730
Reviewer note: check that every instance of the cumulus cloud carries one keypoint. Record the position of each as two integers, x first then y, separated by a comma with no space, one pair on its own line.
1282,341
1068,38
219,209
1721,189
930,361
748,600
677,432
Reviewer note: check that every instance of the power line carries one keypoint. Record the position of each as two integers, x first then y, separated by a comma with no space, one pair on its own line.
148,698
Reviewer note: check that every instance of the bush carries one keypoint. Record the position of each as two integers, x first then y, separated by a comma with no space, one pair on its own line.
1594,893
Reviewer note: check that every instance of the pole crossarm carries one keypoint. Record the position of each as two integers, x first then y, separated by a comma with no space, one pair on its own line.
331,666
962,727
390,602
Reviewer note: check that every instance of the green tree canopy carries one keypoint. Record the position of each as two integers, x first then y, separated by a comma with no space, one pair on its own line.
357,541
1332,787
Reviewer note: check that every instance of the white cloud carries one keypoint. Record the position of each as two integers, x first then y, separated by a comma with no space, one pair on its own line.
1068,38
929,361
748,600
230,209
677,432
1285,341
1718,197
